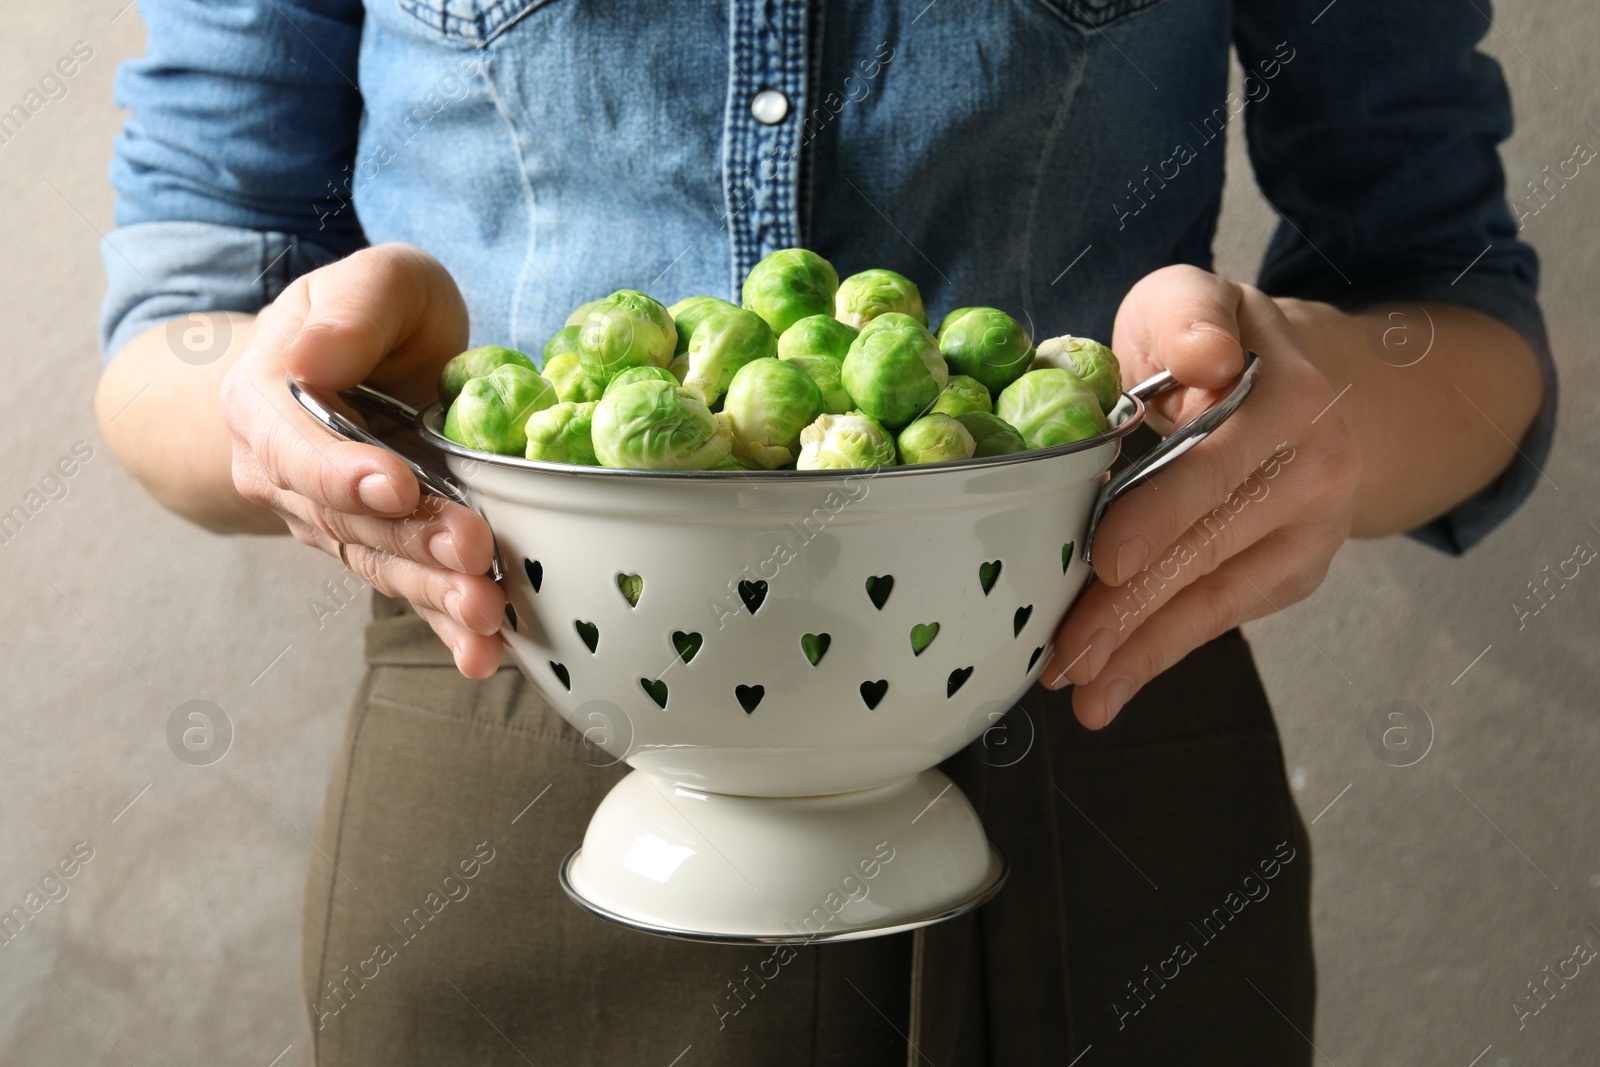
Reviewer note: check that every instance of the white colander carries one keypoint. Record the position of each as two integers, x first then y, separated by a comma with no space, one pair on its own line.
784,658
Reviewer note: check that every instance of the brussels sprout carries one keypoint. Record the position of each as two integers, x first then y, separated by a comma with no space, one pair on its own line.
935,439
894,370
950,320
961,395
986,344
492,411
817,335
845,442
563,340
561,434
863,297
475,363
626,329
640,374
1090,361
788,285
1050,407
689,313
725,340
581,314
992,435
563,371
769,403
826,372
654,425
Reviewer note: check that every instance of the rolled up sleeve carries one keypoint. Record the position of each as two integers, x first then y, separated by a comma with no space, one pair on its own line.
1377,143
232,172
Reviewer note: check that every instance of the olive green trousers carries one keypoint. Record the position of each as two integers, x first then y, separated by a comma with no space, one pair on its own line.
1158,908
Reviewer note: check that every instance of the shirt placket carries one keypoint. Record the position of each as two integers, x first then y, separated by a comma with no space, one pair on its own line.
761,156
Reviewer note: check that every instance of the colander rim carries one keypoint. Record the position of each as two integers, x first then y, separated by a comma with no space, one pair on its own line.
429,419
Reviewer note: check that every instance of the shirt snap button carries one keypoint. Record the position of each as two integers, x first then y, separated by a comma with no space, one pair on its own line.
770,107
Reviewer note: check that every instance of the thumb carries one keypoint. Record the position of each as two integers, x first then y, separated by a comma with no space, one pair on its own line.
1184,320
389,315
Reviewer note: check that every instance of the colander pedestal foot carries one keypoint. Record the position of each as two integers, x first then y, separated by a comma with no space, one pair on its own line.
681,862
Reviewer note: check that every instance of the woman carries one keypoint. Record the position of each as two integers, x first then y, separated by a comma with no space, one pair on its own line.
346,194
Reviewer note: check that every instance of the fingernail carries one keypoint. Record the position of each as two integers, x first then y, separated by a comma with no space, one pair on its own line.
1101,644
442,547
378,493
1131,558
1117,694
452,606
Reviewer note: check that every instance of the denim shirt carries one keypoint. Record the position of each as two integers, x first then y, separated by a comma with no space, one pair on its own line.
1041,158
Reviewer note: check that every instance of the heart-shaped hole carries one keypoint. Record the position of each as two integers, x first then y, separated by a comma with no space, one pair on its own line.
535,571
686,644
1034,658
879,586
988,574
560,671
631,586
511,616
1066,555
589,632
922,635
872,692
958,678
657,690
753,594
1020,619
749,696
815,646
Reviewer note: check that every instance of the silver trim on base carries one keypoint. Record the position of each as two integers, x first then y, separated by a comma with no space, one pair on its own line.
999,867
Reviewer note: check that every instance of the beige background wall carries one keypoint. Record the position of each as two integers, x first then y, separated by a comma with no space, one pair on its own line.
1441,888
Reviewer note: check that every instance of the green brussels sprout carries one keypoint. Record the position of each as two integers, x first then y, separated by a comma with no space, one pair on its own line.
492,412
894,371
817,335
788,285
1050,407
961,395
563,371
626,329
935,439
655,425
950,320
561,434
829,376
689,313
845,442
991,435
563,340
475,363
769,402
581,314
724,340
1090,361
986,344
640,374
863,297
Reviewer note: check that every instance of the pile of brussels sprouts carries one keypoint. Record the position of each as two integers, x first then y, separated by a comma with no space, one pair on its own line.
810,374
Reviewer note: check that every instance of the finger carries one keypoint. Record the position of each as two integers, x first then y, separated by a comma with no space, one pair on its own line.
390,315
1105,617
438,533
1269,575
476,655
1181,319
474,601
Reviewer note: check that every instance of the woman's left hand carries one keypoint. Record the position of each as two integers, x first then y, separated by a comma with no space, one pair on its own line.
1243,524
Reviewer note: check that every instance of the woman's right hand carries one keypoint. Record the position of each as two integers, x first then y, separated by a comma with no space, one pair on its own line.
390,316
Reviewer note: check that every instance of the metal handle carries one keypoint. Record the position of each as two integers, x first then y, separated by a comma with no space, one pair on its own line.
367,398
1175,444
